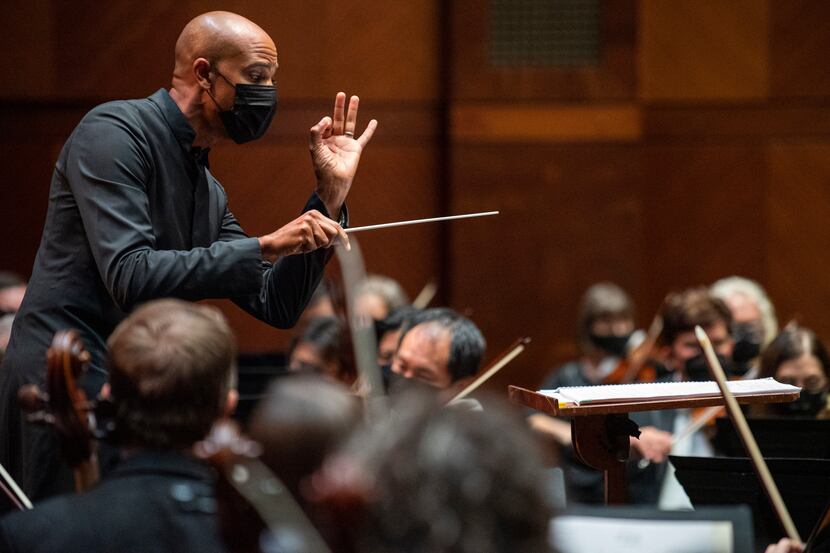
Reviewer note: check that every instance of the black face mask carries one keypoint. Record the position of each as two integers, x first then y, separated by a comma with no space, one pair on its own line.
698,369
254,106
808,404
747,343
397,385
610,343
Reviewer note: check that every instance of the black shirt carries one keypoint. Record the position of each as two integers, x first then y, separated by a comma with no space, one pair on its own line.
154,501
134,214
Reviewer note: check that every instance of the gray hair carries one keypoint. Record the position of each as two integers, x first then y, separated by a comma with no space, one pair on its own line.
735,285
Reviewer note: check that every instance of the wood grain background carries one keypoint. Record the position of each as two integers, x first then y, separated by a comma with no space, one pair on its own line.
698,147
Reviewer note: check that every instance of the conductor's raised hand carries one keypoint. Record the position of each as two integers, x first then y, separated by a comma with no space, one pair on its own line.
335,152
310,231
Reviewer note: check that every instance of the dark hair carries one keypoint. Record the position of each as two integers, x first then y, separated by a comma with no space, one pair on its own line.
603,299
300,421
793,342
9,279
467,344
442,484
325,334
395,320
682,312
171,366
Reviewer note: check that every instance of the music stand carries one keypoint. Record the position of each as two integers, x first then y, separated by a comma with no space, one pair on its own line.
777,437
740,518
804,485
600,431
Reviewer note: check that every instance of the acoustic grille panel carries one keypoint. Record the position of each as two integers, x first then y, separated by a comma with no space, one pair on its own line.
563,33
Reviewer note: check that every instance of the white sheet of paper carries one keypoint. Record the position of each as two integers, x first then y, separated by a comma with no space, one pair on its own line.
583,395
577,534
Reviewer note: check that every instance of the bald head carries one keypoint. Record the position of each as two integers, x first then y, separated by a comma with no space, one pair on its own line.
219,35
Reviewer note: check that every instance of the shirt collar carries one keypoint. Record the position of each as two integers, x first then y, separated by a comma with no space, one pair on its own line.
184,133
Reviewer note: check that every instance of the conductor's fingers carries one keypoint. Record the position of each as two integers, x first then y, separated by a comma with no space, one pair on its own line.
318,132
368,133
351,115
339,113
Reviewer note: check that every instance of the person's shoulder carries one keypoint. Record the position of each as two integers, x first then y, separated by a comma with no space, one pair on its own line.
569,374
130,111
49,521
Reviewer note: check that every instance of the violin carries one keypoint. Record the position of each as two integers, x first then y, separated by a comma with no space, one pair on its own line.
252,498
638,365
65,407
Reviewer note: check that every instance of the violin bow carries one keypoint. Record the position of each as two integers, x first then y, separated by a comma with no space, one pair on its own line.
13,491
748,440
495,366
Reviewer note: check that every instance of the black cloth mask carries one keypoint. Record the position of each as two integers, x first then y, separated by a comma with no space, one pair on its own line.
747,342
698,369
610,343
254,106
809,404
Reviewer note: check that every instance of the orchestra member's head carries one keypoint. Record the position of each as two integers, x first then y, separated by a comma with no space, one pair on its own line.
680,350
225,70
388,333
754,323
320,305
448,480
378,296
440,348
172,371
12,290
605,325
319,349
798,357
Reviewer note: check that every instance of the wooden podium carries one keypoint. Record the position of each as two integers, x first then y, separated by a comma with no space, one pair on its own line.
600,432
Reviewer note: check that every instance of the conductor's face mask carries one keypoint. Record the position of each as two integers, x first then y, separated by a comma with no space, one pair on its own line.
254,106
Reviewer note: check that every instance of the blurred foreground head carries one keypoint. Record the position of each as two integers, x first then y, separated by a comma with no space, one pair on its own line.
172,369
451,481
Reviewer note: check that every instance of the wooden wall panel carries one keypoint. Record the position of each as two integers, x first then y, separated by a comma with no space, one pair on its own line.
473,78
703,49
796,210
570,215
703,206
799,42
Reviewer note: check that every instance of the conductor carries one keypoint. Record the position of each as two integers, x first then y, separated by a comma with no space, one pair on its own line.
135,214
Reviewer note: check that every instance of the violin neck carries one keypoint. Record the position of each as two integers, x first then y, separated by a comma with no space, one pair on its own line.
87,473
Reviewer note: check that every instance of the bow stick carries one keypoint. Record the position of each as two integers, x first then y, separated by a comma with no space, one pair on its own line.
495,366
747,438
14,492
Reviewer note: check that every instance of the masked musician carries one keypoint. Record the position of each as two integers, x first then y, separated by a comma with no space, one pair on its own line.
172,369
798,357
136,214
754,322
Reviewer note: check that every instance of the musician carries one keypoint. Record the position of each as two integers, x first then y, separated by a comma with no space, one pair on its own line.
681,353
378,296
754,323
448,480
319,350
605,325
441,349
301,420
798,357
136,214
171,376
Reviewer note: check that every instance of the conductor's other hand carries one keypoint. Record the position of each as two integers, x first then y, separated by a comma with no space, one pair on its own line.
335,152
653,444
786,545
308,232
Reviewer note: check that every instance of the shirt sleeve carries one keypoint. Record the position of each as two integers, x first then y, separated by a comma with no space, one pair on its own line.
108,168
287,285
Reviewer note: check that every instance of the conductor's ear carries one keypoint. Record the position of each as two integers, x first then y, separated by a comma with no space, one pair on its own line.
201,70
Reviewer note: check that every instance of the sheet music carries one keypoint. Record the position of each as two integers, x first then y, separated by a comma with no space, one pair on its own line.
612,393
580,534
